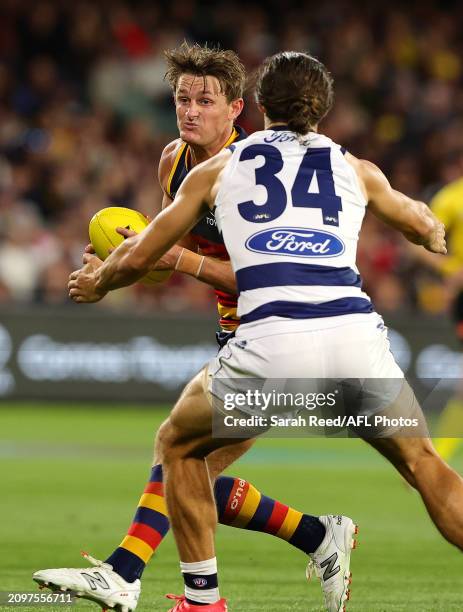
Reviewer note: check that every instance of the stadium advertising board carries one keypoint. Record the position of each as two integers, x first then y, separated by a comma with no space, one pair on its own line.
74,355
91,355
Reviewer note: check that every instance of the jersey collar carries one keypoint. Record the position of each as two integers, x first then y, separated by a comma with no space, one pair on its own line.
279,127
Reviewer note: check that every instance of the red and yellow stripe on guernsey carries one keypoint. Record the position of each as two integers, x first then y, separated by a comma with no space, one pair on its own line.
143,539
227,303
227,307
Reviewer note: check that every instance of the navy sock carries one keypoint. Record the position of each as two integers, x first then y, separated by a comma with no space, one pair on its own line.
309,534
126,564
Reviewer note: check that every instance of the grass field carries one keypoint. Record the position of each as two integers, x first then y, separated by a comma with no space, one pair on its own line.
71,477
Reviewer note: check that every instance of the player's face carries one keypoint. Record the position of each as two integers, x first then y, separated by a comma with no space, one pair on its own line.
204,117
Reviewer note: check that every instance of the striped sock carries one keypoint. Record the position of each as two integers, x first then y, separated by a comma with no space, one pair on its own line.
201,584
239,504
147,531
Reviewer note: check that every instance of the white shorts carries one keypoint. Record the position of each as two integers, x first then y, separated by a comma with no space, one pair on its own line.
348,346
347,355
343,361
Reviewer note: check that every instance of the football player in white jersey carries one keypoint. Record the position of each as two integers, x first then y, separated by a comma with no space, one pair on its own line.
290,204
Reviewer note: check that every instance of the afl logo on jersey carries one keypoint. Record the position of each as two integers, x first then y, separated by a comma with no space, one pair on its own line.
295,241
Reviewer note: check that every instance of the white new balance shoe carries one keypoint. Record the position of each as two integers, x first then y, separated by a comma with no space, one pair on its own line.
331,561
99,583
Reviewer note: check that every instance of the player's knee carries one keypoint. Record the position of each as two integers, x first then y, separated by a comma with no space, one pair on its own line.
161,435
178,444
171,443
165,438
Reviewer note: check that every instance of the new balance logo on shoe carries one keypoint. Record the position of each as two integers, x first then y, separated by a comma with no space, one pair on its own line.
329,564
98,583
95,580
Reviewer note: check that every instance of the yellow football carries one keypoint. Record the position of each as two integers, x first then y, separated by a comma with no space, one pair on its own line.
103,235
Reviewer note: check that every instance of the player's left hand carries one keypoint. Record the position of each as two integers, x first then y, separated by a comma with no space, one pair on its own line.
82,283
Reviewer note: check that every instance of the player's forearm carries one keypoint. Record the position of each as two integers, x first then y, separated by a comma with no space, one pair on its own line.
121,268
417,222
219,274
410,217
425,229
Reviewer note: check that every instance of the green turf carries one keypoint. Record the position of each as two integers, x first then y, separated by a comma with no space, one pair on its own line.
71,478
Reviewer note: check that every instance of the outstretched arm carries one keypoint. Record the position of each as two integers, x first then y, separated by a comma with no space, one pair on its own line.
412,218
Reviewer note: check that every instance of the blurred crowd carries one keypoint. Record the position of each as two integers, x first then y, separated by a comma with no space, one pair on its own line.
85,113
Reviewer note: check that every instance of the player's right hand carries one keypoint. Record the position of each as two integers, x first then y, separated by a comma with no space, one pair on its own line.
82,284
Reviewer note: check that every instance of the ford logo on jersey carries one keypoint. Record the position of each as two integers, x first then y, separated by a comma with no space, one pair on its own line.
296,241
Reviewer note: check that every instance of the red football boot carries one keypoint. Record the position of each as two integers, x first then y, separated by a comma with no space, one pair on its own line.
184,606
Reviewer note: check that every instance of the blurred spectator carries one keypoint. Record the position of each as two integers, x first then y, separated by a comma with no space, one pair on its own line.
85,113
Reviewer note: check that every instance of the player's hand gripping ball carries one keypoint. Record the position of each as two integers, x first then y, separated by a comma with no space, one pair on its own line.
103,235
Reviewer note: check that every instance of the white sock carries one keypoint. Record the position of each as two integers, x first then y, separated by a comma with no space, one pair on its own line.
201,581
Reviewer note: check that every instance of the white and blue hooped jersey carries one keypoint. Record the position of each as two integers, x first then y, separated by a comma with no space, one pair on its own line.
290,210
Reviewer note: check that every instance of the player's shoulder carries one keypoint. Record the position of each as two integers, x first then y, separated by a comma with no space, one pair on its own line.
167,160
370,178
366,170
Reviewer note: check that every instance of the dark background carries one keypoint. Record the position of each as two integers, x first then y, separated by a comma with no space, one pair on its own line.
85,114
